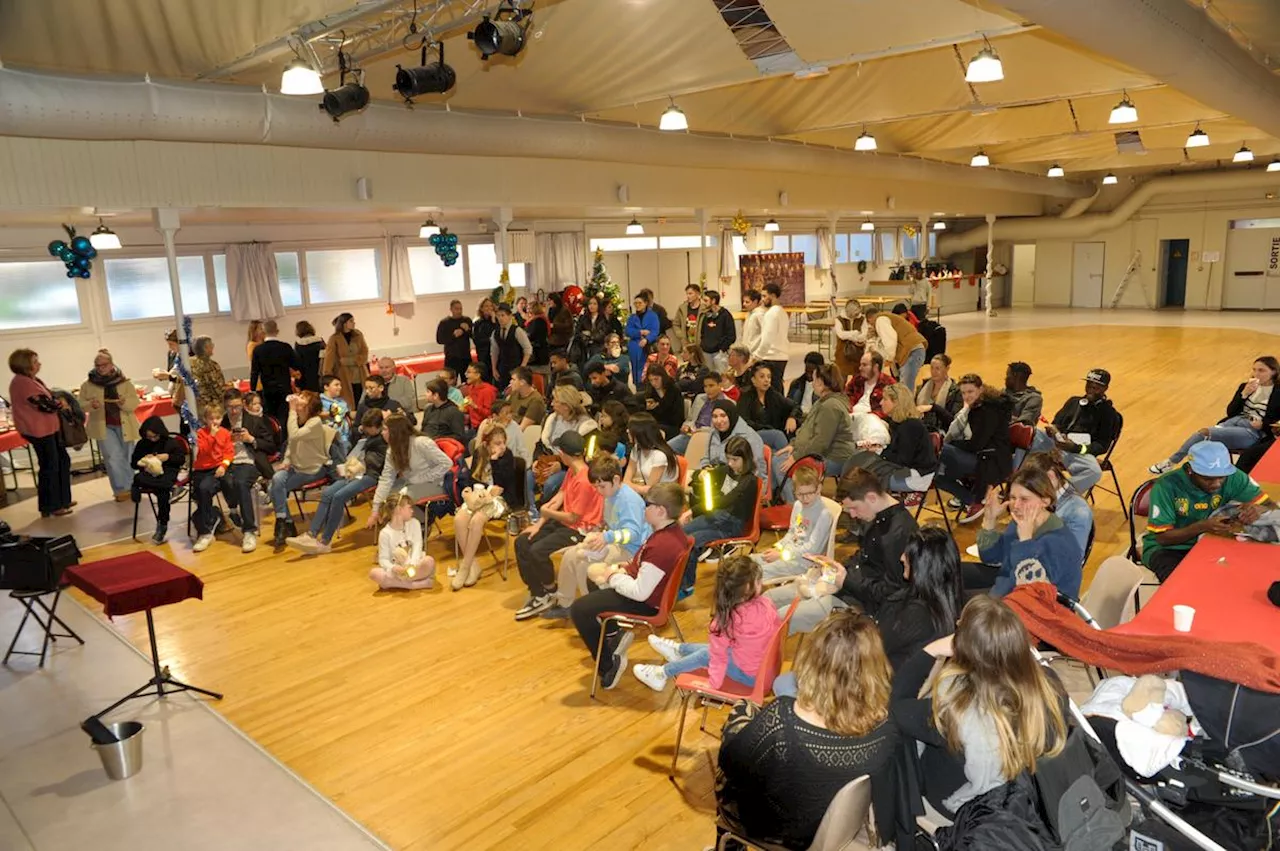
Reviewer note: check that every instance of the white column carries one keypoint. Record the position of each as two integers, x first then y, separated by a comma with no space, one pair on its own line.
502,216
991,261
167,223
703,219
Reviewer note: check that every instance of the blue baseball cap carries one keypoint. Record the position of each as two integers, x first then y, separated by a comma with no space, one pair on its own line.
1210,458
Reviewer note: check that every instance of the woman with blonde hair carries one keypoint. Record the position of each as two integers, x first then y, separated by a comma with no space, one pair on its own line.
991,713
907,463
254,335
781,766
110,399
497,475
568,413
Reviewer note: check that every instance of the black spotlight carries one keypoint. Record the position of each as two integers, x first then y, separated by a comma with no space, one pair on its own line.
434,79
347,97
504,33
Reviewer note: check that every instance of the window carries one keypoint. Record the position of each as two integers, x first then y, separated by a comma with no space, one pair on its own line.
806,244
910,245
888,244
626,243
138,287
685,242
349,274
1242,224
933,244
34,295
781,245
220,283
484,270
840,241
289,272
431,276
860,247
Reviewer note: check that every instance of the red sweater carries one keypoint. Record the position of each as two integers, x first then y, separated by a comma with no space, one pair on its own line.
481,397
29,420
212,450
664,550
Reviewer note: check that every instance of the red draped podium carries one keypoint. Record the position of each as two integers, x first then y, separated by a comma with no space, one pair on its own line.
135,583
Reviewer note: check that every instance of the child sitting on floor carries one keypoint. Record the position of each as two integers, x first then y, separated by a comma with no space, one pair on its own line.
808,533
741,625
401,562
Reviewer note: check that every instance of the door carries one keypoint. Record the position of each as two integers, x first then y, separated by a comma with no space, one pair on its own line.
1086,274
1175,271
1024,275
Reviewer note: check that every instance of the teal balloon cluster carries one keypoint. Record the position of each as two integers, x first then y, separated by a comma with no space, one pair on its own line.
446,246
77,255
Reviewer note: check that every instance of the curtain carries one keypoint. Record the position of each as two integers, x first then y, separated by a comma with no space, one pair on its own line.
400,294
728,260
827,256
252,282
560,259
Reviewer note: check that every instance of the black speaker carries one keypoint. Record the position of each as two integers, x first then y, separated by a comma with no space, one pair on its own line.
36,564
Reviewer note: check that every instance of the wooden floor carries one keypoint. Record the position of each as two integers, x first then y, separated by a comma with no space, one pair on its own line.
439,722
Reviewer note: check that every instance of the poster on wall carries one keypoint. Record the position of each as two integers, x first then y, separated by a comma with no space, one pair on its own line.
785,270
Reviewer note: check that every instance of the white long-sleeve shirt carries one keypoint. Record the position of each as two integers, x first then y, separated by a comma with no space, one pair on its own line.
751,329
641,585
389,539
887,337
773,344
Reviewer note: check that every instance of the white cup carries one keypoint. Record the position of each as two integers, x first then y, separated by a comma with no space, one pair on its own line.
1182,618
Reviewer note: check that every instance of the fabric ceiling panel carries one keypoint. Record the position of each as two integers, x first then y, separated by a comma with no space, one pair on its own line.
166,38
1155,106
1256,23
824,30
1039,66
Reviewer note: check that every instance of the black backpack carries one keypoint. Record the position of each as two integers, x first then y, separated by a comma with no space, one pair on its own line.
1082,795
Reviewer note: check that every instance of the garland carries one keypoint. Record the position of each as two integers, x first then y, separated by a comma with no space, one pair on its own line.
185,410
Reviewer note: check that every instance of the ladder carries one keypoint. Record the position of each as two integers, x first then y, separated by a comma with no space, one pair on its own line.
1124,282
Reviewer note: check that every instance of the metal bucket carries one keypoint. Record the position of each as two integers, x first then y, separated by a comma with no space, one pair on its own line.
122,759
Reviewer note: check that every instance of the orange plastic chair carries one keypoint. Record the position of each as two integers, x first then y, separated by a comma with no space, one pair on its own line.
654,622
749,537
776,518
683,463
767,498
694,683
300,494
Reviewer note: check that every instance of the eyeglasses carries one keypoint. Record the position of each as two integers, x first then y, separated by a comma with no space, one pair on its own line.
803,494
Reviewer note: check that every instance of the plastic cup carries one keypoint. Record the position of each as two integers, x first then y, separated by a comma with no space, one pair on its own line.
1182,618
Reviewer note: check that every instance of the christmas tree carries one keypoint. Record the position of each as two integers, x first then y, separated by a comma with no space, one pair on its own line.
602,286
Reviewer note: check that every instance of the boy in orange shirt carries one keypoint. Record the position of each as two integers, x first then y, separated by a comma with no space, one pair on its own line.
214,453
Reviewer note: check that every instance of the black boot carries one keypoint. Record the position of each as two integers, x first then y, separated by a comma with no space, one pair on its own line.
162,529
282,531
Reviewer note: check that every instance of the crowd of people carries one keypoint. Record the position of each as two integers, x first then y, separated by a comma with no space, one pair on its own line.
906,639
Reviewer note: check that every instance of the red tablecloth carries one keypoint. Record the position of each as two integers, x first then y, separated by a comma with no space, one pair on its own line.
414,364
1230,598
134,583
11,440
154,408
1267,470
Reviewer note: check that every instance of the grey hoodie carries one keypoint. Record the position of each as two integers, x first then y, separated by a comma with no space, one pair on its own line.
1027,405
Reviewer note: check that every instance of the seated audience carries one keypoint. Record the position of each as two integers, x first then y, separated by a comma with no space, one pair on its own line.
635,587
767,411
1082,431
1070,507
808,532
565,520
450,378
602,386
440,416
991,713
567,414
1185,503
651,460
398,387
783,764
625,531
359,473
908,462
335,411
401,561
800,391
872,575
693,368
699,411
254,442
1036,547
662,358
1027,401
155,443
501,416
724,503
306,459
527,407
826,432
1252,411
1249,458
561,368
214,453
938,398
663,400
725,423
613,358
739,369
615,422
413,461
977,454
497,477
866,389
257,441
742,624
478,397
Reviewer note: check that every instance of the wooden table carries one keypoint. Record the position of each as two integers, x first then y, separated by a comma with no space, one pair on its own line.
825,329
1267,472
1226,582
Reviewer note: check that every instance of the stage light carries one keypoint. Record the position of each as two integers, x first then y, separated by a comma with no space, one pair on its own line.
1110,180
1274,165
347,97
865,142
673,119
985,66
1124,112
504,32
1197,139
634,228
980,160
104,238
939,225
429,229
426,79
771,226
299,78
1244,155
1056,170
868,226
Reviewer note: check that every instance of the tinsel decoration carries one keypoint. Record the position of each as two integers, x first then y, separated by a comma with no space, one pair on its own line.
77,255
446,246
910,231
184,373
602,287
503,293
740,224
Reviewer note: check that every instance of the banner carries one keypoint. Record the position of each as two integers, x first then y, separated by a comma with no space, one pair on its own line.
785,270
1273,259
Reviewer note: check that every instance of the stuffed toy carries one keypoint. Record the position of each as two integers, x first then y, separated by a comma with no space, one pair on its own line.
477,497
352,468
598,572
1146,705
1152,718
151,464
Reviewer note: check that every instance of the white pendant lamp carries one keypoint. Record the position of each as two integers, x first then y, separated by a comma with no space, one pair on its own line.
104,238
429,229
985,66
1274,165
868,226
299,78
634,228
771,226
1197,139
865,142
673,119
939,225
1124,112
1110,180
1244,155
980,160
1056,170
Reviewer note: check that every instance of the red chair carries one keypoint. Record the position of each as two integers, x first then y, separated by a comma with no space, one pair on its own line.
279,434
695,683
683,463
767,497
776,518
654,622
300,493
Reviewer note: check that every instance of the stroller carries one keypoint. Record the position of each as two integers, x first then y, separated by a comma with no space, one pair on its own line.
1221,793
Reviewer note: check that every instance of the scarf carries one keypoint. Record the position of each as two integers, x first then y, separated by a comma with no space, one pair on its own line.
109,383
731,410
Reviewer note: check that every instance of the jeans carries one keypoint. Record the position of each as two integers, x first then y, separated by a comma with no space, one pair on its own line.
704,529
809,613
53,482
237,487
204,487
116,453
695,656
339,450
954,465
333,502
1235,433
784,685
910,368
550,487
679,443
770,437
1084,469
782,482
285,481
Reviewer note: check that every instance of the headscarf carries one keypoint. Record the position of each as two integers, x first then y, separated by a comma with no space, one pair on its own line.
728,406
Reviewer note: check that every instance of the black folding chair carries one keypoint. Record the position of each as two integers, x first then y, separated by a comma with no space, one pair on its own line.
35,605
1104,461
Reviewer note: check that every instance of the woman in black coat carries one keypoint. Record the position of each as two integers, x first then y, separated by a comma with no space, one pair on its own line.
908,460
171,452
663,399
985,457
590,331
482,329
767,411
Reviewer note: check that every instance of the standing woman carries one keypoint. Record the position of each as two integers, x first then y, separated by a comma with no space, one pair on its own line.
642,333
255,335
538,330
110,399
347,356
210,383
310,350
35,416
562,324
521,311
482,329
591,330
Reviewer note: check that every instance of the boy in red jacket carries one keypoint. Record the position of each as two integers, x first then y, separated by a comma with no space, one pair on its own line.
214,453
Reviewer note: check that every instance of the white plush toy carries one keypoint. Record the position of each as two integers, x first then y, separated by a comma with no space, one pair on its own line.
151,464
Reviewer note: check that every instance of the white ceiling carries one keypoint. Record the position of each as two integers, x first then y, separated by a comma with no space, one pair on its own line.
895,69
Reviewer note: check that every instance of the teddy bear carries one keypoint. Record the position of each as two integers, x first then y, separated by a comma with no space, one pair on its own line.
1146,705
352,468
151,464
598,572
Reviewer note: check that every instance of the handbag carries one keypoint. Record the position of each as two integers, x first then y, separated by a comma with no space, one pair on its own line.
74,434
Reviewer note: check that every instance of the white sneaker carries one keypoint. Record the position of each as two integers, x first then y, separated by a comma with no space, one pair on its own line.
1161,467
651,675
249,543
955,502
202,543
453,571
667,649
